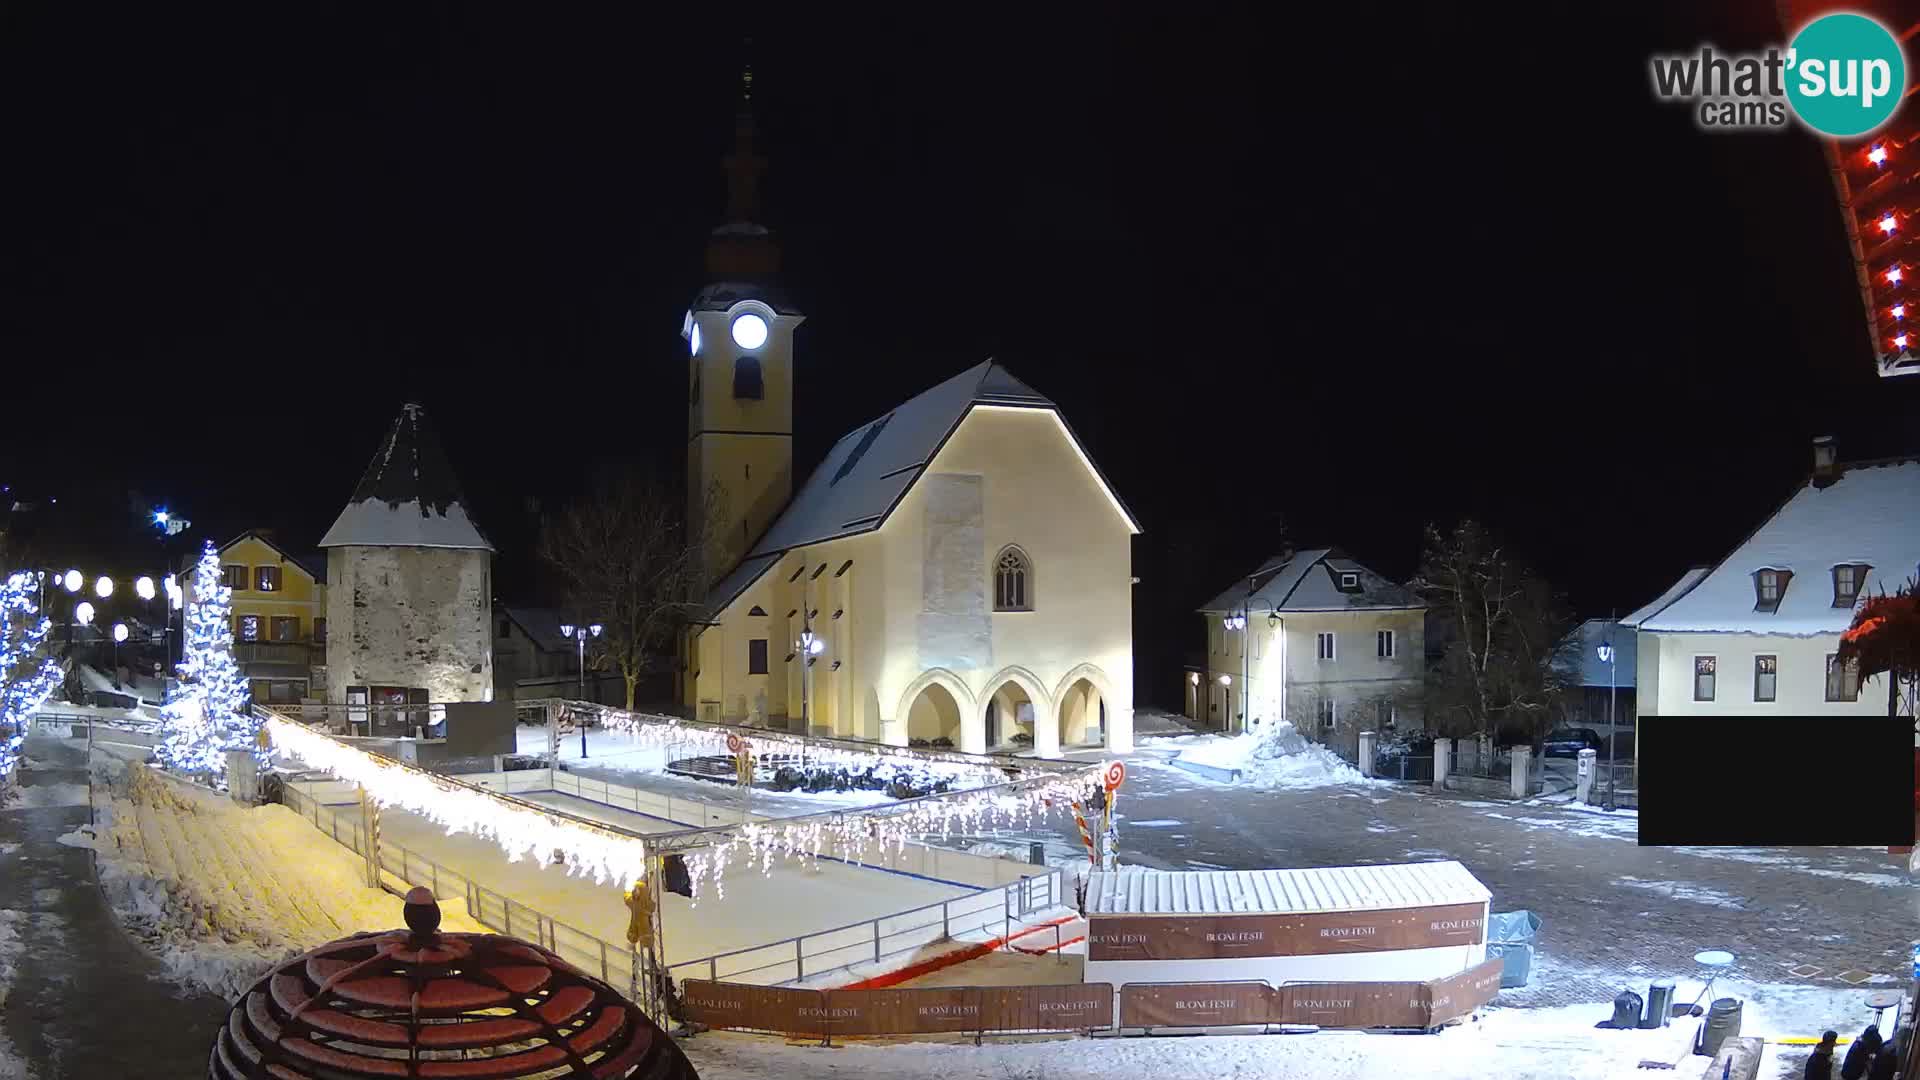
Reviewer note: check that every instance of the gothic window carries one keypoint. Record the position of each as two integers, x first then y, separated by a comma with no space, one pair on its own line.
1012,581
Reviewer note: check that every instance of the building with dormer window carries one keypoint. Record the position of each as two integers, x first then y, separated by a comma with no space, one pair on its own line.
1757,632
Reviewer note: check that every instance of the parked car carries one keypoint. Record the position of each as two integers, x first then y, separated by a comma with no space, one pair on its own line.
1568,742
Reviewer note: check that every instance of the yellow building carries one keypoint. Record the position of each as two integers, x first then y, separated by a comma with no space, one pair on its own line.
955,572
1317,640
279,618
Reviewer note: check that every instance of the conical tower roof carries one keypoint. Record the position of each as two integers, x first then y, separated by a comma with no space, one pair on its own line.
408,496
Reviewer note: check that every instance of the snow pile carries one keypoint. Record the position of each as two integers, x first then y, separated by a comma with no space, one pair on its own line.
1277,756
220,891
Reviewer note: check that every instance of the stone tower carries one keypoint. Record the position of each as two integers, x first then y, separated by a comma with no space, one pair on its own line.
739,334
410,580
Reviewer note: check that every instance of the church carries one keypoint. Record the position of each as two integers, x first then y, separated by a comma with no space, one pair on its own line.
956,572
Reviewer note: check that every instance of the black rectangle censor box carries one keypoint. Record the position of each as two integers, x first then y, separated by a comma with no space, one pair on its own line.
1776,781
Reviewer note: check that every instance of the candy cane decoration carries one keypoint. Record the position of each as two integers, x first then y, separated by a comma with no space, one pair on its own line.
1086,837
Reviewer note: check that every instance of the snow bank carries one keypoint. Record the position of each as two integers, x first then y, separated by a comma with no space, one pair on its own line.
220,891
1275,757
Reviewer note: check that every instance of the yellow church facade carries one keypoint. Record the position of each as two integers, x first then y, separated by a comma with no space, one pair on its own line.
956,572
989,605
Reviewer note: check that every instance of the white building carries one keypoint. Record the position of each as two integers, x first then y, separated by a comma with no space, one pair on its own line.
1757,632
1335,648
956,571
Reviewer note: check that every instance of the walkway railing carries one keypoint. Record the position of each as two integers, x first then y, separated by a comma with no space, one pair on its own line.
617,965
870,941
787,960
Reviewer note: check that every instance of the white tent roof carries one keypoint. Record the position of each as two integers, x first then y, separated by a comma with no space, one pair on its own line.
1283,892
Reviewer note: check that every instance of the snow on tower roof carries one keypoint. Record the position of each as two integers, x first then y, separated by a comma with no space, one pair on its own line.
871,468
1869,515
408,496
1283,892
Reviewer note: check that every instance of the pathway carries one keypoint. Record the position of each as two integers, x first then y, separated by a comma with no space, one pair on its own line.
86,1000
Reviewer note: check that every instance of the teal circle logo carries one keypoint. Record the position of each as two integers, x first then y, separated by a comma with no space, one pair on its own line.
1846,75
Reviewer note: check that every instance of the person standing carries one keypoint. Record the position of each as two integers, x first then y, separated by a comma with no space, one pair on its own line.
1820,1064
1860,1054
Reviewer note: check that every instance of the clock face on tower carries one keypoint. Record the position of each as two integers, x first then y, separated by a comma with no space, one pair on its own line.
749,331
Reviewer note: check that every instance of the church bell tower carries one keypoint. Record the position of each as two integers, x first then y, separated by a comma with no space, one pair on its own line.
739,334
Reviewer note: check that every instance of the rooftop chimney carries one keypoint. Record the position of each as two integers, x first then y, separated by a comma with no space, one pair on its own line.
1826,461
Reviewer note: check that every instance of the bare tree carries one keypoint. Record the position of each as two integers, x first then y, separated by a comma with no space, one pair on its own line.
1503,636
629,560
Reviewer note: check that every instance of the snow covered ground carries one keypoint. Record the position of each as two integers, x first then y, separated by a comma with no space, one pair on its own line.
796,898
1561,1043
219,891
1275,757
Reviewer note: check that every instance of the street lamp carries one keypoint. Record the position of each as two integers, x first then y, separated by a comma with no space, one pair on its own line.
72,580
144,588
1606,657
103,588
580,634
809,646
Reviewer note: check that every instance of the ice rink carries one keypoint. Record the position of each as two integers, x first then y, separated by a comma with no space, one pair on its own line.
758,909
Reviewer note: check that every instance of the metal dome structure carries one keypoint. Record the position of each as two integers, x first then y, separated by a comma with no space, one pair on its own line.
419,1003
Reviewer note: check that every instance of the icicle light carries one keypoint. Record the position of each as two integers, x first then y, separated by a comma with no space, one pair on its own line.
920,768
519,829
858,835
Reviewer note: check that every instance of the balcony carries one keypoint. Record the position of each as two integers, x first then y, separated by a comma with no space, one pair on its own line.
304,654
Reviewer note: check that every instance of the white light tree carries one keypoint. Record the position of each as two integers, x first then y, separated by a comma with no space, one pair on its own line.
206,713
27,673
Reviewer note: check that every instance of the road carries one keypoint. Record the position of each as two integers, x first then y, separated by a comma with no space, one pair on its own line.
1614,913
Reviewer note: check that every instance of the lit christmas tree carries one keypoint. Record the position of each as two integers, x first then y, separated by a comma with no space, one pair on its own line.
27,675
206,714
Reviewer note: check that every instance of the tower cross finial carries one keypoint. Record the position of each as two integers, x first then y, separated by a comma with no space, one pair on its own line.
743,166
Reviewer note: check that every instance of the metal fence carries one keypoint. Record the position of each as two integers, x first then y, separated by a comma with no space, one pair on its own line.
823,952
1395,765
788,960
617,965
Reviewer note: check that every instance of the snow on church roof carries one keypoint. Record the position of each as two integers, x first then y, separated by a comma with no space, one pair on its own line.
870,469
1870,515
408,496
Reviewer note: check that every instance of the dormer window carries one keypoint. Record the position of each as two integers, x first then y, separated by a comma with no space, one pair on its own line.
1768,587
1848,578
1349,581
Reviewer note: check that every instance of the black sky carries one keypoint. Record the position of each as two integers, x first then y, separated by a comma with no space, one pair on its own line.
1354,271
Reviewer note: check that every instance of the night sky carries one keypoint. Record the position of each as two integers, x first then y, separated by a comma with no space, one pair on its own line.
1352,274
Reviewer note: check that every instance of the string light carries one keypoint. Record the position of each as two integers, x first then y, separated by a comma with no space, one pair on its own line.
1900,341
27,677
1893,275
919,768
858,835
1899,311
205,715
520,829
1888,224
1877,155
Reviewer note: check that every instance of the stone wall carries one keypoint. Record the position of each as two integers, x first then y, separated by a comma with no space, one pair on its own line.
404,616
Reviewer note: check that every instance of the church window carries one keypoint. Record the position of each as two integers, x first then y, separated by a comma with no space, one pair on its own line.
821,569
694,397
757,610
746,378
757,656
844,567
1012,581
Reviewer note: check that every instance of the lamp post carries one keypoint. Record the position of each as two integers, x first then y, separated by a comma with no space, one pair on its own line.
580,634
1607,657
809,646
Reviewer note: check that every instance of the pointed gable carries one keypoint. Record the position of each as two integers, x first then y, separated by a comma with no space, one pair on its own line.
871,468
408,497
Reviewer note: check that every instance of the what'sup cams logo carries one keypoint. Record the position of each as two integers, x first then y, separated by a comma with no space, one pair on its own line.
1842,75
